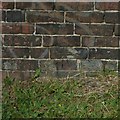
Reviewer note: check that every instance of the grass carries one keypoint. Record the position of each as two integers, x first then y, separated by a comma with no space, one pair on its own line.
62,98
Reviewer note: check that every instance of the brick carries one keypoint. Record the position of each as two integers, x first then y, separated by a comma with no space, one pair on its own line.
111,17
17,28
78,53
117,30
27,28
15,16
106,5
19,75
54,29
15,52
74,6
94,29
35,5
110,65
11,28
40,53
42,16
99,53
61,41
20,65
22,40
7,5
66,64
84,17
47,67
100,42
91,65
3,15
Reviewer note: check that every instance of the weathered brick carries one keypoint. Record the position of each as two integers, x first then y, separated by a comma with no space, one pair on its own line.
40,53
3,15
22,40
84,17
94,29
17,28
11,28
35,5
19,75
53,29
59,53
62,41
19,65
15,52
66,64
100,41
27,28
15,16
117,30
99,53
91,65
110,65
7,5
106,5
42,16
47,67
74,6
111,17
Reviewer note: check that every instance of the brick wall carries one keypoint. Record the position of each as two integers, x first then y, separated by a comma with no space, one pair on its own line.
60,38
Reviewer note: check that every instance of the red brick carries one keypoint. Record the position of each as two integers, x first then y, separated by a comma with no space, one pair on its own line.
15,52
27,28
15,16
17,28
19,65
35,5
42,16
117,30
59,53
22,40
100,41
18,75
62,41
54,29
106,5
7,5
99,53
84,17
94,29
111,17
11,28
40,53
74,6
66,64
